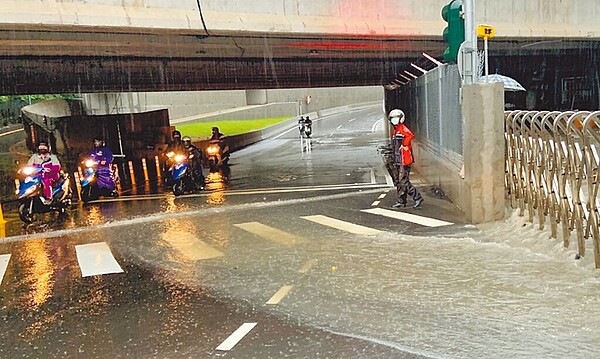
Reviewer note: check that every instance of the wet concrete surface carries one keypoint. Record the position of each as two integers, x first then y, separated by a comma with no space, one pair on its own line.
290,242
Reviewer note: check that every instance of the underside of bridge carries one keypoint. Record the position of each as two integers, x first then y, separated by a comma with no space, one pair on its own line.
49,60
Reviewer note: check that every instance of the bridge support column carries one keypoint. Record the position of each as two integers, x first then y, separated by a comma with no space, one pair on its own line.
483,189
256,97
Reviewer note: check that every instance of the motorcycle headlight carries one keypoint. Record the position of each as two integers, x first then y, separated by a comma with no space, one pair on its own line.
170,154
212,150
28,171
179,158
90,163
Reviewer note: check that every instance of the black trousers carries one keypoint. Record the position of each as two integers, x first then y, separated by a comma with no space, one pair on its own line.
403,185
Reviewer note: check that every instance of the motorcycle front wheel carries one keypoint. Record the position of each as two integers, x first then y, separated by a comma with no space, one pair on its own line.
178,188
87,194
24,213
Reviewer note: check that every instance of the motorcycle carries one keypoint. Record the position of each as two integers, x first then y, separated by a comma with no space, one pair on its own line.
31,189
96,183
217,157
181,174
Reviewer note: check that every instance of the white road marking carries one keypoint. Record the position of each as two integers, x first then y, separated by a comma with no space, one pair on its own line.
96,259
340,126
352,119
236,336
270,233
378,125
382,196
281,293
10,132
373,180
341,225
190,246
388,179
375,204
413,218
307,266
4,258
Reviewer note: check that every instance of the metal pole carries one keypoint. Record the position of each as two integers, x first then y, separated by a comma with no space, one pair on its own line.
470,45
485,50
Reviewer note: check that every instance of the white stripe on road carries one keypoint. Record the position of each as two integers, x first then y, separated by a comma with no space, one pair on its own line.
375,204
10,132
382,196
4,258
270,233
96,259
373,179
352,119
236,336
413,218
341,225
281,293
307,266
190,246
389,180
378,125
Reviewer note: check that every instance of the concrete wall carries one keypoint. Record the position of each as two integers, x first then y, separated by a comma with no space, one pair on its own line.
538,18
478,188
182,105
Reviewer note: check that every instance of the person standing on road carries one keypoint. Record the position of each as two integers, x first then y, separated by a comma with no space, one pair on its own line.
403,159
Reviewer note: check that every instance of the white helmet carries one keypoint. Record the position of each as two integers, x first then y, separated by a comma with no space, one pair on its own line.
396,116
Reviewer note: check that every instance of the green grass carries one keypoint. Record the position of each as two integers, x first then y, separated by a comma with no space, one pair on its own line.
228,127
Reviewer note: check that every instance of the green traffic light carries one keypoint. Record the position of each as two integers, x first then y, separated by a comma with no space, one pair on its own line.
454,33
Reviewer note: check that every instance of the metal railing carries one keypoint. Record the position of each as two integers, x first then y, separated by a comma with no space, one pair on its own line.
552,161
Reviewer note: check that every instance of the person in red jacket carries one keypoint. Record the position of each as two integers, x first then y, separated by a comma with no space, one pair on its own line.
49,162
403,159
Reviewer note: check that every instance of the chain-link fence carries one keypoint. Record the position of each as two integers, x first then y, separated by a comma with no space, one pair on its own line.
552,163
434,108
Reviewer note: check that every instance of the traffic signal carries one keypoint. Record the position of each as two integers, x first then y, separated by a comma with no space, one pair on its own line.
454,33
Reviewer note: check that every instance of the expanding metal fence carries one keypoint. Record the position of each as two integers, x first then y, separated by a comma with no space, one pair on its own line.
552,161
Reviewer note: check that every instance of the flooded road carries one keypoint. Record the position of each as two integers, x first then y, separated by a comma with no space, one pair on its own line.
299,256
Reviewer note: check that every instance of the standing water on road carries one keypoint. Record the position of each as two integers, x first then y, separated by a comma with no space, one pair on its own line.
505,292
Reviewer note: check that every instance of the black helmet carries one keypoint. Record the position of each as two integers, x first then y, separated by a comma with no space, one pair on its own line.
43,146
176,134
215,129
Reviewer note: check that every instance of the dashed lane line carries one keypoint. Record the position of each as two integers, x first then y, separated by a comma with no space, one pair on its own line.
342,225
375,204
270,233
279,295
236,336
4,258
382,196
96,259
307,266
413,218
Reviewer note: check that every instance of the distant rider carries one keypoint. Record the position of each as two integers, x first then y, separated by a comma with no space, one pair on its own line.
104,156
308,125
218,137
51,166
195,161
176,145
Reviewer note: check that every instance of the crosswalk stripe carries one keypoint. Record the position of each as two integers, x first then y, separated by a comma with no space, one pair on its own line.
236,336
413,218
190,246
280,294
4,258
341,225
96,259
375,204
270,233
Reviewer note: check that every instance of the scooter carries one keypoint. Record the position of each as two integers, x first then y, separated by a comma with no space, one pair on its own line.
31,189
95,183
181,174
217,158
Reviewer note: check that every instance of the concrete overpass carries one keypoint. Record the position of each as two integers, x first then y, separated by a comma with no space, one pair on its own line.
155,45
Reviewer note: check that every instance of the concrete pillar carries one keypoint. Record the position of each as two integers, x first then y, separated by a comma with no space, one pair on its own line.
483,106
256,97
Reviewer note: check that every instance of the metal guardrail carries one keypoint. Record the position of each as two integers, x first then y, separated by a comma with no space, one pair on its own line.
552,161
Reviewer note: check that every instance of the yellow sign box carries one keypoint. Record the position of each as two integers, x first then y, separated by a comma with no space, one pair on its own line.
486,31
